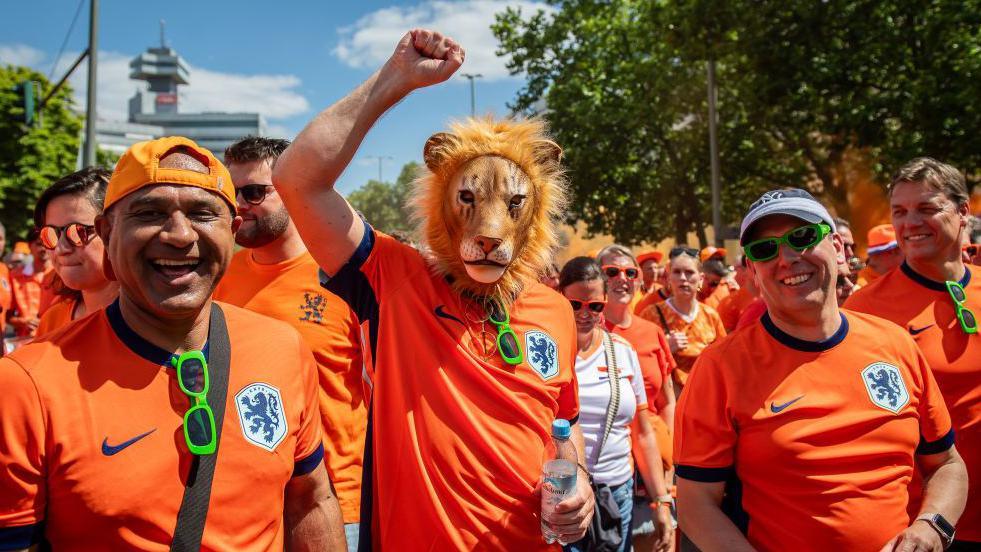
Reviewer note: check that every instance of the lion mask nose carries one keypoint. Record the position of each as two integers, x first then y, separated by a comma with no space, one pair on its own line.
487,244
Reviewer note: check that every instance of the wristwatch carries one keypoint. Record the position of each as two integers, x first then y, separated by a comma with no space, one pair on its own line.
662,499
941,526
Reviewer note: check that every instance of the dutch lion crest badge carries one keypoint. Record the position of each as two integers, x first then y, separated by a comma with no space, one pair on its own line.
260,411
885,385
542,354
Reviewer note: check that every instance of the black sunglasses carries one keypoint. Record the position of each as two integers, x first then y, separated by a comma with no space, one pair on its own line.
253,194
680,250
594,306
78,234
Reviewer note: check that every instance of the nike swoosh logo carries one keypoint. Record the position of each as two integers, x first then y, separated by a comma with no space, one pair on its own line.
778,408
109,450
443,314
915,331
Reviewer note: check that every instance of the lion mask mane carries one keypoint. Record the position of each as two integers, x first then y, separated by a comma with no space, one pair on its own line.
488,204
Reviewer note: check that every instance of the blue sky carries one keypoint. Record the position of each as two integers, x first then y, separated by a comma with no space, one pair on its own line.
286,60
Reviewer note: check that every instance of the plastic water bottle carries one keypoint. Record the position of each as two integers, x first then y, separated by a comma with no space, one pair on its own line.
558,474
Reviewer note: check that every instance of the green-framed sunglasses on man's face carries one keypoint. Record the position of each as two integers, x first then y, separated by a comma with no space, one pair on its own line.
969,322
798,239
199,420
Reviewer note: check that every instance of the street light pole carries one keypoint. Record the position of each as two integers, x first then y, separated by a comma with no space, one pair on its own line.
380,158
88,155
473,92
714,154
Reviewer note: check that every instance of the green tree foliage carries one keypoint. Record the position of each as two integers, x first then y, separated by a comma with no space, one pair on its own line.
799,83
32,157
384,204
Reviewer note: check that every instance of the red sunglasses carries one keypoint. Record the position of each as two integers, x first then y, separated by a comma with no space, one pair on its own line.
612,271
594,306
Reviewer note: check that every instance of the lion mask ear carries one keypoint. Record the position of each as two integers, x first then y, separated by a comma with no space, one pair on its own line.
547,151
433,153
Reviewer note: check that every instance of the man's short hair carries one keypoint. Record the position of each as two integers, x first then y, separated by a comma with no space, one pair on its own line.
716,267
255,148
939,176
616,249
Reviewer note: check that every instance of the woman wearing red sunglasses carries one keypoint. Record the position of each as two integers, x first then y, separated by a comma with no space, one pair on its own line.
601,355
65,217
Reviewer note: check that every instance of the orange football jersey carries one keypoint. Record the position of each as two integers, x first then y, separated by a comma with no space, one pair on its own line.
703,330
815,440
456,436
92,444
925,309
290,291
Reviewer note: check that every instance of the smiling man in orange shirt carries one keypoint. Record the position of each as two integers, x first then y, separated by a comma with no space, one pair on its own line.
100,436
802,430
929,206
276,276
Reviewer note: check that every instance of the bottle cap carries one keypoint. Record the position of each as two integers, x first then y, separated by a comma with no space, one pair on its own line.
561,429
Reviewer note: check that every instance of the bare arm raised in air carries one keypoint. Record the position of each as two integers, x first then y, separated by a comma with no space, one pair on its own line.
305,173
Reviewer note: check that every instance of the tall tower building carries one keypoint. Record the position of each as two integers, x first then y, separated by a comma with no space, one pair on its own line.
164,70
154,111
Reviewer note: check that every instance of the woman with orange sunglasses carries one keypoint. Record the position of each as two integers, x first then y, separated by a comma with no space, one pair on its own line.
65,218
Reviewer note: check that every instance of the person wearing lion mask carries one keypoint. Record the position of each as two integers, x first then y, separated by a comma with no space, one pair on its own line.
468,356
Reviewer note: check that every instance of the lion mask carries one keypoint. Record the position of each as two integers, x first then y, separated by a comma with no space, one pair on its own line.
489,204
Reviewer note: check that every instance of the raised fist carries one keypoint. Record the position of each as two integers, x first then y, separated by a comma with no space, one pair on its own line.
423,58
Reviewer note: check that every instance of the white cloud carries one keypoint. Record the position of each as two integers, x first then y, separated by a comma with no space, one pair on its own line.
20,54
274,96
370,40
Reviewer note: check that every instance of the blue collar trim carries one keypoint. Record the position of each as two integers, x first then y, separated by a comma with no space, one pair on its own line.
801,344
135,342
930,284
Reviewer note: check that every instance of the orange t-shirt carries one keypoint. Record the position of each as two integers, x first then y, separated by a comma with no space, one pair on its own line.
456,436
723,290
656,362
657,295
815,440
6,299
752,313
703,330
925,309
58,315
26,291
290,291
732,306
94,454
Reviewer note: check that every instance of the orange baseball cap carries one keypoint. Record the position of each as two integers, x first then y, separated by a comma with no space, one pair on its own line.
655,256
711,251
139,167
882,238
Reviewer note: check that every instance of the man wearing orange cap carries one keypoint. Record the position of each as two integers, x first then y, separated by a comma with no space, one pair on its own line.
655,280
30,287
883,251
650,269
185,403
5,297
718,281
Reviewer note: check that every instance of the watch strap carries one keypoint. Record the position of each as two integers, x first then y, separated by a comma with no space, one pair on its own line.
938,523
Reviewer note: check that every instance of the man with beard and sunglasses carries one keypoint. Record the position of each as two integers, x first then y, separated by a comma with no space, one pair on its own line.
936,297
802,429
276,276
106,424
